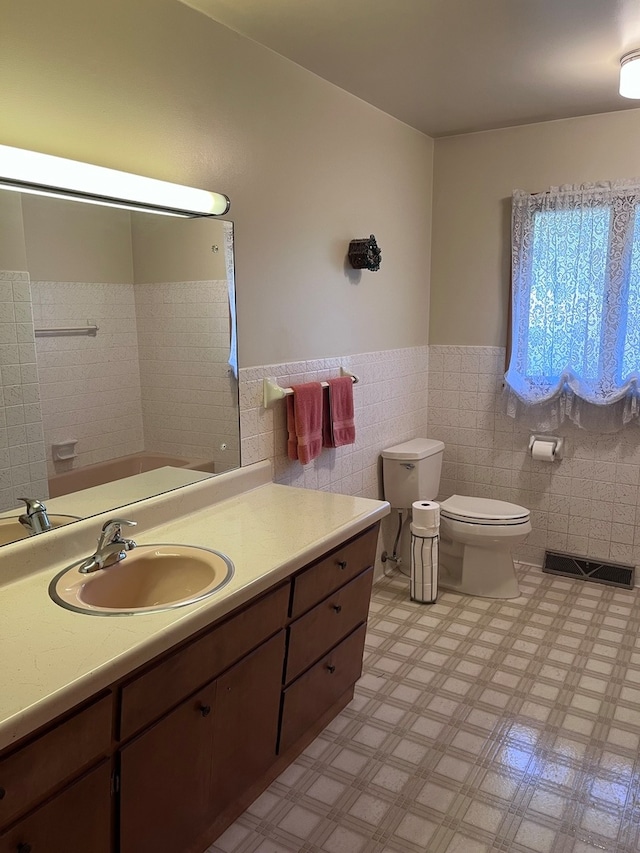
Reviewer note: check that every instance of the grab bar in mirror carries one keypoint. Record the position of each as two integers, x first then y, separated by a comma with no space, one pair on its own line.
272,391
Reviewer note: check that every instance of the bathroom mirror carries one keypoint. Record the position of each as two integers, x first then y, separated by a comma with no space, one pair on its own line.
117,353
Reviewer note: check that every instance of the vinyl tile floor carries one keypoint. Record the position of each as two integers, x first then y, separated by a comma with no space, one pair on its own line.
478,725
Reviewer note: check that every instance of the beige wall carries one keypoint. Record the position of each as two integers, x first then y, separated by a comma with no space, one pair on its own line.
68,241
12,248
169,249
474,177
154,87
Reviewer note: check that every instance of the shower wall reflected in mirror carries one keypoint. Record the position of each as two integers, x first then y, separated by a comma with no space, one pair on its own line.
118,348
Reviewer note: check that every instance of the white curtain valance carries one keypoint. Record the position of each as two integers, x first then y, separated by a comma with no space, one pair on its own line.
576,306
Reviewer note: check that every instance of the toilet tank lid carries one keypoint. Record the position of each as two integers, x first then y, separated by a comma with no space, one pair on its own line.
417,448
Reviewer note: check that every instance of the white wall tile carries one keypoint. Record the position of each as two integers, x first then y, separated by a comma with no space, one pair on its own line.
586,504
185,370
86,380
21,436
390,404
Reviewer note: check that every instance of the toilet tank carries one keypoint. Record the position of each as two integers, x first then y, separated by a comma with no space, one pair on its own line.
411,471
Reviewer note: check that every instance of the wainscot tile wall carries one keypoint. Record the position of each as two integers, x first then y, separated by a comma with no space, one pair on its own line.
189,398
390,406
586,504
23,470
90,385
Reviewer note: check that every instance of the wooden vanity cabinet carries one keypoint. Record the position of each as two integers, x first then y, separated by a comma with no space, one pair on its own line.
77,819
168,757
179,773
320,687
246,722
329,608
165,779
47,799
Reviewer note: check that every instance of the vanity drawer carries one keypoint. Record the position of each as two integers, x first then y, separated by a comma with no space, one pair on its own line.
307,699
327,623
77,819
148,696
333,571
29,773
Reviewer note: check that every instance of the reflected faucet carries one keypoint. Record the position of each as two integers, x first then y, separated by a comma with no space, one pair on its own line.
112,547
35,519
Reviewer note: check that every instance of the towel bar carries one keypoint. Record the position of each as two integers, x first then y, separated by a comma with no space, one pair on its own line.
272,391
66,330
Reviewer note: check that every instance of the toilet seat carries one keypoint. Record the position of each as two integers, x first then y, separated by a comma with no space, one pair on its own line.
484,511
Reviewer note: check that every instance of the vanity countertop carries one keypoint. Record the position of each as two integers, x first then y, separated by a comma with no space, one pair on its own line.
51,658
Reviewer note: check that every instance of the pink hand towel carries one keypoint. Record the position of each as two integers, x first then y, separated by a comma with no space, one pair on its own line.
304,422
339,427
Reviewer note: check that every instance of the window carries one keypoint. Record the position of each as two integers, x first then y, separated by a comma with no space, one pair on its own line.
576,307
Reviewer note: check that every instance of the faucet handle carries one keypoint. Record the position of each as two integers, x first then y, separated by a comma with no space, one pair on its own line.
112,531
35,518
33,505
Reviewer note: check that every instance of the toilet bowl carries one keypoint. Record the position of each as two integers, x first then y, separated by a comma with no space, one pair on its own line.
477,536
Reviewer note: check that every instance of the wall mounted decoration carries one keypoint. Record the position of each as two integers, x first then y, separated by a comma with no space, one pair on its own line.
365,254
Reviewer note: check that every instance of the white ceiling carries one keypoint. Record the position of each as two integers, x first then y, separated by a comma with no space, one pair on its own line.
452,66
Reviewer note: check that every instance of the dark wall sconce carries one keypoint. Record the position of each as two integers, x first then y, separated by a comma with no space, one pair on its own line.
365,254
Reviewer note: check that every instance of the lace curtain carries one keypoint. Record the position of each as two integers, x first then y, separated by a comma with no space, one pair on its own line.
576,307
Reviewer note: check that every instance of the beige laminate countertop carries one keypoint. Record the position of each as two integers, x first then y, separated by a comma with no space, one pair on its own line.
51,658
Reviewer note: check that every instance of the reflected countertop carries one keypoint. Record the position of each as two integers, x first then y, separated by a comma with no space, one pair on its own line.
109,496
52,658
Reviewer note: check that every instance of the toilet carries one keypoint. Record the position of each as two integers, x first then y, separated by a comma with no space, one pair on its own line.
477,535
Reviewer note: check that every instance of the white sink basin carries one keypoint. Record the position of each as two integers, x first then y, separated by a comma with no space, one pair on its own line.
150,578
11,530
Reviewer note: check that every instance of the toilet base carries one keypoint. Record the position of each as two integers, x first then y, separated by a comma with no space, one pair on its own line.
483,572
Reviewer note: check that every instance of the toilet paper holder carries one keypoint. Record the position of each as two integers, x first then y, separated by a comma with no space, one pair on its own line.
556,440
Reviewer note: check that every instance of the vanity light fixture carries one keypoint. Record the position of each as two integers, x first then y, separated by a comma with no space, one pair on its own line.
44,174
630,75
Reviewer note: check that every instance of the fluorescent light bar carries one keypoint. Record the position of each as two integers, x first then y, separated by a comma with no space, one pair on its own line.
44,174
630,75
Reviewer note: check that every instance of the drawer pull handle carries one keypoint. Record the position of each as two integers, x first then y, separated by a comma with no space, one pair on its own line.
205,710
2,793
337,607
331,668
342,564
23,848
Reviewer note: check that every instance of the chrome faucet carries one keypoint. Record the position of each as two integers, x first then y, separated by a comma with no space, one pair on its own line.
35,519
112,548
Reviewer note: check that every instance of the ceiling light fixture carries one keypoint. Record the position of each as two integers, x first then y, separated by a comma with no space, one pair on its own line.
630,75
44,174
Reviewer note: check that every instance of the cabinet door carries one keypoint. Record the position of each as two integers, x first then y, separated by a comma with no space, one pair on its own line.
246,721
165,777
77,819
151,694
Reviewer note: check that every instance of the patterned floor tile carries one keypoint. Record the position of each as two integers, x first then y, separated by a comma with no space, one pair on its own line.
477,726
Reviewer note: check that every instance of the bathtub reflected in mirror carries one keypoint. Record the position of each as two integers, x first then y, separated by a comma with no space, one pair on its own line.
117,353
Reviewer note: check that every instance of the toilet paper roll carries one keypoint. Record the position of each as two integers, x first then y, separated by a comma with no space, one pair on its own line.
543,451
425,514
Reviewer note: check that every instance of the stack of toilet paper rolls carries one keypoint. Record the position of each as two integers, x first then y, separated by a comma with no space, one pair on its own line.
425,525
